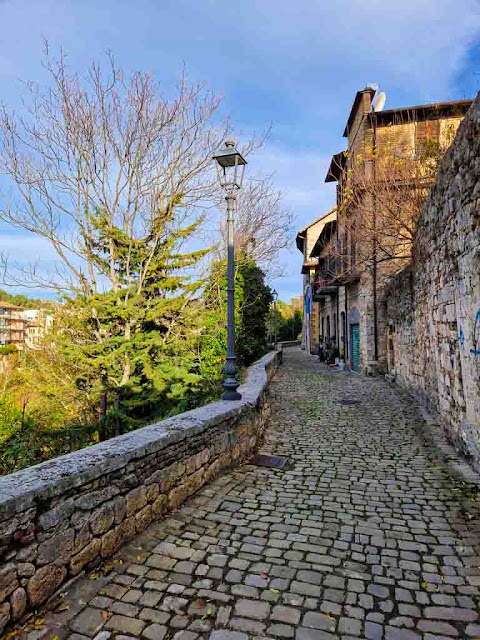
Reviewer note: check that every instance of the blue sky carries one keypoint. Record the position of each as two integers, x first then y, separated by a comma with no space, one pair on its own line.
297,64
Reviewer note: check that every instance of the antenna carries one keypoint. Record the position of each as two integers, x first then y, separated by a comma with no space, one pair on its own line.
380,101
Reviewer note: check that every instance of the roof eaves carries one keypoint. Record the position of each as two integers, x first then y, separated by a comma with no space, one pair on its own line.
422,111
320,243
354,108
336,166
332,210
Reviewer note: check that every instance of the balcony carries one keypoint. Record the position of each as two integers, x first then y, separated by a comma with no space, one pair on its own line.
325,285
348,277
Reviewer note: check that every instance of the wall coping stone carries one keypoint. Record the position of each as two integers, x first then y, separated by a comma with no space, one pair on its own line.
22,489
289,343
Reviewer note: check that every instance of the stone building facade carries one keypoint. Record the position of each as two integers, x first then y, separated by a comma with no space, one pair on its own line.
433,306
356,306
306,240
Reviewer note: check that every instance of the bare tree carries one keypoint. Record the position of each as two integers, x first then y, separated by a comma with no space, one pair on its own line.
263,225
381,197
113,175
104,143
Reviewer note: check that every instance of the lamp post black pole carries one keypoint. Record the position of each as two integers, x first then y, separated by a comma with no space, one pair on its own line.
230,170
230,385
275,316
275,296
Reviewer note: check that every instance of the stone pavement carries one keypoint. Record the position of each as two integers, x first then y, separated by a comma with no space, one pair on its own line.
363,535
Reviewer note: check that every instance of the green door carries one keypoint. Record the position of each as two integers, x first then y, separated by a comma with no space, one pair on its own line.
355,342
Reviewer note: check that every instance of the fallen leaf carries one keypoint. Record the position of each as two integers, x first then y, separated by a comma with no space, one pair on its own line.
424,585
200,603
139,558
274,590
263,575
64,607
104,614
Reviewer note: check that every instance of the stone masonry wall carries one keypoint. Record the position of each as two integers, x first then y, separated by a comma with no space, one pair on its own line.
433,306
65,515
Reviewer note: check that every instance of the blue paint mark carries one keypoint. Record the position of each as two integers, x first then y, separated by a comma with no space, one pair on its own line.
475,351
461,337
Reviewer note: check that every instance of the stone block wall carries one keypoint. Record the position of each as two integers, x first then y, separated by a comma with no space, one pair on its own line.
433,306
65,515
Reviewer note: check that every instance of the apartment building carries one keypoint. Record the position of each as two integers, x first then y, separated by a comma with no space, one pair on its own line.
37,322
350,297
24,328
12,325
305,241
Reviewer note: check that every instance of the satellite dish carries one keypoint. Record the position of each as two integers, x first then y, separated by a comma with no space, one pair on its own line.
380,101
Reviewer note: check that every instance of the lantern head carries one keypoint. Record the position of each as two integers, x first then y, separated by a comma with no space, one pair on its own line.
230,166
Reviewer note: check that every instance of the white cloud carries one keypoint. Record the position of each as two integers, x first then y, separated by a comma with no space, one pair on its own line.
419,43
296,63
22,251
301,177
26,247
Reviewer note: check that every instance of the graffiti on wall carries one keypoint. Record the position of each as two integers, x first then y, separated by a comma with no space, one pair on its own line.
461,337
476,335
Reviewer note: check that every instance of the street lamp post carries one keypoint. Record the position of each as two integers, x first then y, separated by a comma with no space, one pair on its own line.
230,170
275,297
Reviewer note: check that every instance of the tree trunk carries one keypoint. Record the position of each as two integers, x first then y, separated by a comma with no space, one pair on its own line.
118,421
103,409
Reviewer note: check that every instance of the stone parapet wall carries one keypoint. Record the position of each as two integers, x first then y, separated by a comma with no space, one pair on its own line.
65,515
433,306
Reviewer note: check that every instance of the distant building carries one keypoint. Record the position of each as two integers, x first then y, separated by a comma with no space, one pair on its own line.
12,325
37,322
305,240
24,328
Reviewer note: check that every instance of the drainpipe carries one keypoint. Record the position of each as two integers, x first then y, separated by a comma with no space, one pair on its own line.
375,310
337,328
346,324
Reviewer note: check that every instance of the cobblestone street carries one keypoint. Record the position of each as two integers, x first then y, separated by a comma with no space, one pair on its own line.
362,535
